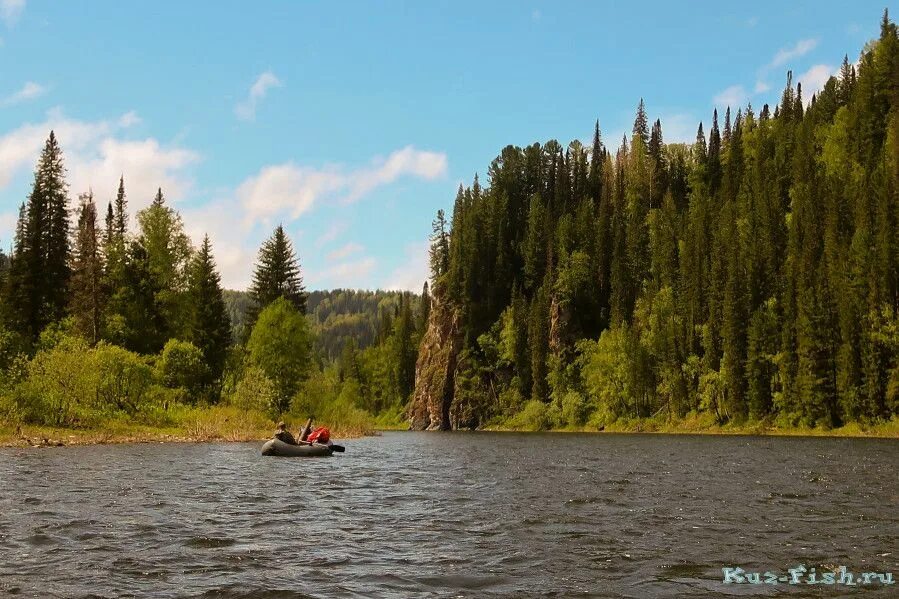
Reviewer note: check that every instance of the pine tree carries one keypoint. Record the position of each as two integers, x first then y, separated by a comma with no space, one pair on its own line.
121,210
209,327
109,230
135,318
438,251
424,310
88,288
596,166
42,274
277,274
641,124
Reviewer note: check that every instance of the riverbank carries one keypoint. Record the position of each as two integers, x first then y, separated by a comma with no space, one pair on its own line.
200,425
705,425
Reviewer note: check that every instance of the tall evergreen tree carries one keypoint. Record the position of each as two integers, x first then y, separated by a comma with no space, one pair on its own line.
88,287
209,326
439,253
42,275
277,274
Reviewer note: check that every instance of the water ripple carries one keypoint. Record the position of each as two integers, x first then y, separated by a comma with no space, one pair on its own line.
461,515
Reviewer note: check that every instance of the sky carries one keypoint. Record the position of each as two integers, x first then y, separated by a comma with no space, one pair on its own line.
352,123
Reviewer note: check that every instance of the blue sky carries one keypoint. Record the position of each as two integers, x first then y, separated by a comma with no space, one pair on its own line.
353,122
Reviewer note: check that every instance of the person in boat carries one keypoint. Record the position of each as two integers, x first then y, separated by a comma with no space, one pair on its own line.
320,435
282,434
304,432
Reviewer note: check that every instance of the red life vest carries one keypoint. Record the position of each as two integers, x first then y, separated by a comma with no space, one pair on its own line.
319,435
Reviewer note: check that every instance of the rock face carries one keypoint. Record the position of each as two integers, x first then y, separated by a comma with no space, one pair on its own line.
435,369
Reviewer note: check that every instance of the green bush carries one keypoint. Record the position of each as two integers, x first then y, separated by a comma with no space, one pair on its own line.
534,416
332,404
125,378
255,391
181,366
574,409
60,385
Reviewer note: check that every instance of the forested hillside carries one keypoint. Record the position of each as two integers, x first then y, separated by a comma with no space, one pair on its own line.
750,276
337,316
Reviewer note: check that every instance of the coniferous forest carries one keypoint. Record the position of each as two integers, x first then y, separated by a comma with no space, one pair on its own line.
749,277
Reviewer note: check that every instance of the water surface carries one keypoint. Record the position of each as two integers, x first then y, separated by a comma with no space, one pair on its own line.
437,514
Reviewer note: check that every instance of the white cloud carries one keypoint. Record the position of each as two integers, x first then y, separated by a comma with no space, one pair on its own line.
145,164
344,251
785,55
96,158
29,91
408,161
330,234
734,96
286,188
536,15
129,119
348,274
246,110
752,21
231,244
10,10
291,190
761,86
20,148
813,80
414,271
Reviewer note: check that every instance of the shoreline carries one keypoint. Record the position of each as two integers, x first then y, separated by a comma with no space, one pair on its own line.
38,437
772,432
28,437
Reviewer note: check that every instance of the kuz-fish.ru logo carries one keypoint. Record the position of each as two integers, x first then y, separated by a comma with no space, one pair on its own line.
801,575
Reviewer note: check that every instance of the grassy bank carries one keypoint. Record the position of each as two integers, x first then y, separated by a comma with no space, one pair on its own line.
703,424
183,425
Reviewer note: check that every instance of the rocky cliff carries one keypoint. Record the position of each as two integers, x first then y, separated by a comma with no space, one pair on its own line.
435,369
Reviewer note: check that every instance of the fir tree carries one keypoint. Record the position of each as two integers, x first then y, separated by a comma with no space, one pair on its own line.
439,252
88,289
209,326
41,277
277,274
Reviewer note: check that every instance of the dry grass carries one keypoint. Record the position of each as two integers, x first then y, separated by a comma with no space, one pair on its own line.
193,425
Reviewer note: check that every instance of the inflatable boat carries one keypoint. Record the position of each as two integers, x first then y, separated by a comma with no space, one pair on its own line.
276,447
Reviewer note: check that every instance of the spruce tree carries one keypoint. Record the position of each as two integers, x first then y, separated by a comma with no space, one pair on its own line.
209,326
41,276
121,210
135,318
641,124
439,253
88,288
277,274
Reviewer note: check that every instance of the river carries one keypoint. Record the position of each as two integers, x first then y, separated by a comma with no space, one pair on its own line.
449,514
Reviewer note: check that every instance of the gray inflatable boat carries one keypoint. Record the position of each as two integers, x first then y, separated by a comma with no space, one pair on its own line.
276,447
